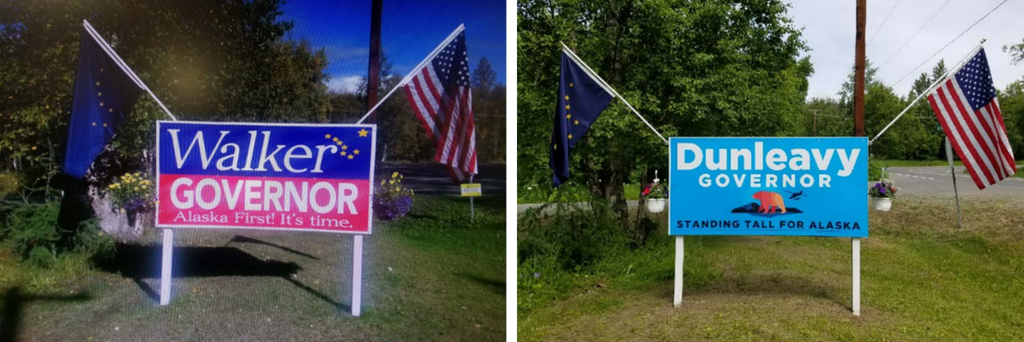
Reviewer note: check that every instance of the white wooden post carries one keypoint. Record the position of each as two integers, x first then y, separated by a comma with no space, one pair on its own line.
357,274
472,211
165,270
856,277
677,298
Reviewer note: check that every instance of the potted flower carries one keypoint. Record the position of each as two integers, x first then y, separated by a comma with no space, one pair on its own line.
883,192
391,200
656,195
132,195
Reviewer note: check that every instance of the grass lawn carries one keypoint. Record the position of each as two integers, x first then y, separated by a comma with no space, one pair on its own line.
430,276
922,279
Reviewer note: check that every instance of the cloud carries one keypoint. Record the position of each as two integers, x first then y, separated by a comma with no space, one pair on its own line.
344,84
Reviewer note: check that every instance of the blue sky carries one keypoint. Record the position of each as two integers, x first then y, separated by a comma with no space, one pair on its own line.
410,29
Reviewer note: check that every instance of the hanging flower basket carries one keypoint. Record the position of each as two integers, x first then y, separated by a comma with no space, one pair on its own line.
656,205
882,194
883,203
656,195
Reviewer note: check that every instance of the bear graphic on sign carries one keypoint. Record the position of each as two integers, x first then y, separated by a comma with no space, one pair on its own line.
769,202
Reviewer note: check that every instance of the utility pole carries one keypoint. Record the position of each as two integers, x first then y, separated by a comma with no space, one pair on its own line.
815,122
858,66
374,76
858,130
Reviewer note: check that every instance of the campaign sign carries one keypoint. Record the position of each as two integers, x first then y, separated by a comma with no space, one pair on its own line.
301,177
768,186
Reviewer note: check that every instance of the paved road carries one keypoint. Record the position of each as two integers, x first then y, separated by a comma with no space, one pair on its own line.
937,181
432,179
922,180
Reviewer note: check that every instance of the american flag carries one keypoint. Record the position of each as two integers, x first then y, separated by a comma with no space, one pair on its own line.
443,101
968,110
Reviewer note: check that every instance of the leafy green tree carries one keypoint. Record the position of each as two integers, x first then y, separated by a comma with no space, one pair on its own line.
692,68
1011,103
207,60
489,110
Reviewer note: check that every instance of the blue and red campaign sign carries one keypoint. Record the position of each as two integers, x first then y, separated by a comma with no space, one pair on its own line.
302,177
768,186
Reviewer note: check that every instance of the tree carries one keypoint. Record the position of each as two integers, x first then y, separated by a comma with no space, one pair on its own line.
484,77
1016,51
207,60
489,110
1011,104
400,133
696,68
939,70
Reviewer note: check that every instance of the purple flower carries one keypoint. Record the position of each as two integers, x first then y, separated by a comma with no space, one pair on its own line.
536,275
882,191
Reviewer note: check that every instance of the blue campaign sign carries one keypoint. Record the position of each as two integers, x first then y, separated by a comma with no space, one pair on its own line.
768,186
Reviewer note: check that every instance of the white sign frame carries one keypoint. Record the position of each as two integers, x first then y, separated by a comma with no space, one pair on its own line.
357,237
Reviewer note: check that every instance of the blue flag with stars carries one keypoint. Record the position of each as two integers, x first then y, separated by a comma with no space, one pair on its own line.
580,101
104,96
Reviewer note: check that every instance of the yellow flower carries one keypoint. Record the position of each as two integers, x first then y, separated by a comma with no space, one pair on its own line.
391,181
394,175
112,186
381,182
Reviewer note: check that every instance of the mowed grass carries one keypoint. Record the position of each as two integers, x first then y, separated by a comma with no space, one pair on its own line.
922,279
430,276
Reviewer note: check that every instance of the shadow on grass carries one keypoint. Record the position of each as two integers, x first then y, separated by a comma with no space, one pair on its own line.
246,239
747,284
13,300
315,293
140,262
497,286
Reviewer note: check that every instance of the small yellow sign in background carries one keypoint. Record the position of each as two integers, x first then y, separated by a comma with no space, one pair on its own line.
472,190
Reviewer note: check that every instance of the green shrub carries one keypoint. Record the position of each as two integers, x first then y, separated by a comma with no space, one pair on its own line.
575,248
41,257
9,184
32,227
874,171
93,242
31,231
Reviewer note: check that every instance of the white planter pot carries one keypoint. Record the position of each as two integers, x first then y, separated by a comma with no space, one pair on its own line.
656,205
883,203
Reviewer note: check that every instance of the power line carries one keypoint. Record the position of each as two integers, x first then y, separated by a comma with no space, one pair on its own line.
879,29
914,36
427,23
950,42
394,12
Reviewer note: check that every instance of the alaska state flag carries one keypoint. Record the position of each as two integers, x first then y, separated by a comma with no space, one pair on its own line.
104,96
581,100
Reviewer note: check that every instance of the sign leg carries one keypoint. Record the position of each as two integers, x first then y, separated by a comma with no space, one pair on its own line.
165,270
677,298
952,171
856,277
357,275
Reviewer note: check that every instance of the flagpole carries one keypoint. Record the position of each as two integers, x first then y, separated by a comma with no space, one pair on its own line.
608,88
124,66
929,89
415,70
